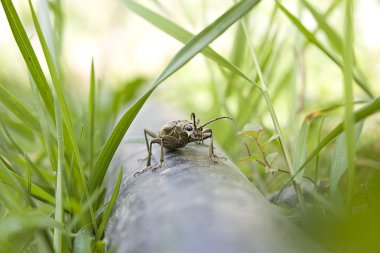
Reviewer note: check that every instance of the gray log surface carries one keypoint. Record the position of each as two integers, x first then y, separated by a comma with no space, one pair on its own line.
191,205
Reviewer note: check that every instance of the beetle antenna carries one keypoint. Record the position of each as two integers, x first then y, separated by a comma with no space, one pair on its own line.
218,118
194,121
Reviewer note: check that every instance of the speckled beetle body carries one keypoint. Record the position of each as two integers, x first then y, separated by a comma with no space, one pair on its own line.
177,134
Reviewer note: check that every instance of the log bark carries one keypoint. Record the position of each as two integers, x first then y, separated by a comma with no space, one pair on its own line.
191,205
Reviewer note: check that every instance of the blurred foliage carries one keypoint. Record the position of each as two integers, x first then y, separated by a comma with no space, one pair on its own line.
294,76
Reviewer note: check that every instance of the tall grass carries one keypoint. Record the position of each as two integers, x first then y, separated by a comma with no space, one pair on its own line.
54,156
67,170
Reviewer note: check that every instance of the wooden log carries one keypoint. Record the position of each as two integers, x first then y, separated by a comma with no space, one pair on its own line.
191,205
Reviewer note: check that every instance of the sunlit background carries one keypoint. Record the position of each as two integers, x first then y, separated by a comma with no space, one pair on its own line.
124,46
129,53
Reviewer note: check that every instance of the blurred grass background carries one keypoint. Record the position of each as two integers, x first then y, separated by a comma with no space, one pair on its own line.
294,74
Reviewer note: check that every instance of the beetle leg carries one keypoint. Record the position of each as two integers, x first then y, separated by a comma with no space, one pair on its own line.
148,163
161,157
207,133
151,134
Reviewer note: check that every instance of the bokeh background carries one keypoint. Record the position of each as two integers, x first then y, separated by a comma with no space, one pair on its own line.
304,84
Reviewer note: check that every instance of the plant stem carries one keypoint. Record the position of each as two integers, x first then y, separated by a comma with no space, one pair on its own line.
269,103
349,119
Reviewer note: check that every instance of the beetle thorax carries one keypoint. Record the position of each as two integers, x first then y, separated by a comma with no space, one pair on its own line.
182,130
175,129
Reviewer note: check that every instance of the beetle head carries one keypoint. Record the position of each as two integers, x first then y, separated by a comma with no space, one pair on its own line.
195,131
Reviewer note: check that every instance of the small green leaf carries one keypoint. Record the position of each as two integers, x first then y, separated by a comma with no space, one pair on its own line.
271,157
251,158
272,138
252,134
270,169
252,130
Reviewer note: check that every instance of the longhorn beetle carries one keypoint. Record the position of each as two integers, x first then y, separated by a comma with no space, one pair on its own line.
177,134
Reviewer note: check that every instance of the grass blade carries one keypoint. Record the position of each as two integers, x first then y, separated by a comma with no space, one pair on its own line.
194,46
36,191
47,137
59,185
29,55
40,173
340,161
359,115
91,106
111,203
10,226
181,34
362,84
301,148
349,96
9,176
18,108
273,115
332,35
83,241
62,104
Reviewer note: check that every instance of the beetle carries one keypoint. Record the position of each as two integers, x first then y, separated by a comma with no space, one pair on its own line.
177,134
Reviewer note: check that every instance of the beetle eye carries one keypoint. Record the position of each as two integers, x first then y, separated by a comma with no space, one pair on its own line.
188,128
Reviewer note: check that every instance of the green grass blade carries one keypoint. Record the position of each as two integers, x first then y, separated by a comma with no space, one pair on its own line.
9,176
18,108
193,47
82,209
111,203
36,191
56,82
91,106
83,241
362,84
21,129
58,21
340,161
181,34
59,185
8,201
301,148
29,55
40,173
308,34
317,169
62,104
332,35
348,62
29,180
10,226
47,138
